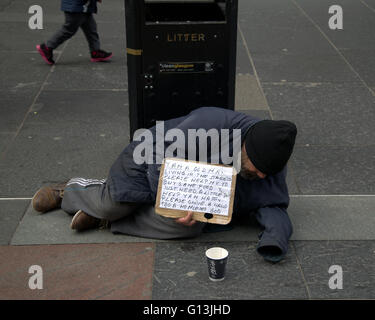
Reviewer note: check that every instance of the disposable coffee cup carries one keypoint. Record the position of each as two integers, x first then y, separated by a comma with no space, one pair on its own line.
217,260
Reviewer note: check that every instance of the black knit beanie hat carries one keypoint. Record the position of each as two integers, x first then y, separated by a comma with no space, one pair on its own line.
269,144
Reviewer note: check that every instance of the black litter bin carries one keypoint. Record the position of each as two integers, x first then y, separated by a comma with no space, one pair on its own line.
181,55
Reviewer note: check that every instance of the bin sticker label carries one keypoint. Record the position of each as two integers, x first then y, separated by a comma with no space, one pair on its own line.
186,67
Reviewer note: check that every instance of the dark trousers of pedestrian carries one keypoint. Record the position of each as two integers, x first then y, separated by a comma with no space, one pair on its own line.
74,21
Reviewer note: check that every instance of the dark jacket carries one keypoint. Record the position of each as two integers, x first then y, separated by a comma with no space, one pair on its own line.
79,6
268,198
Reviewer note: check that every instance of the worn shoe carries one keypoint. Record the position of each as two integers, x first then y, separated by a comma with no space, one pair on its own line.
46,53
100,55
82,221
48,198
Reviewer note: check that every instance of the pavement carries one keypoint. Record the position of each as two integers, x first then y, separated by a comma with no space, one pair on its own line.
71,119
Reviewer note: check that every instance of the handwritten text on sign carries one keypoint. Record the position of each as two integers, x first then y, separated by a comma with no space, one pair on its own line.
196,187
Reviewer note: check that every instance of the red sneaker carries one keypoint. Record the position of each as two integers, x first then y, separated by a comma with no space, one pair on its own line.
46,53
100,55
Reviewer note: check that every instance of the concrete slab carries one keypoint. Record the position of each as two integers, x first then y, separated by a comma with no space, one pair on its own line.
357,23
356,258
332,217
325,113
115,7
248,94
74,70
19,16
78,272
14,105
11,213
28,74
181,272
370,4
355,40
243,64
16,35
66,136
291,181
334,170
23,5
274,13
5,139
277,67
53,228
292,40
313,218
362,62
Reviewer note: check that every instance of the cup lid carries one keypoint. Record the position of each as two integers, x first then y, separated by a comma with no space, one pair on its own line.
216,253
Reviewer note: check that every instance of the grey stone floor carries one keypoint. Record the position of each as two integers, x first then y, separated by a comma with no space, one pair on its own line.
72,120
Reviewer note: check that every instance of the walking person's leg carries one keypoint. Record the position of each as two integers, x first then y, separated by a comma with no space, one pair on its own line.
73,21
69,29
90,29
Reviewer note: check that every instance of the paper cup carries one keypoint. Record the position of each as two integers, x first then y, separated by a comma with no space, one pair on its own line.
217,260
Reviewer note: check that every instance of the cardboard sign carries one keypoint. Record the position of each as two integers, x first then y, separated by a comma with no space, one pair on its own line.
205,189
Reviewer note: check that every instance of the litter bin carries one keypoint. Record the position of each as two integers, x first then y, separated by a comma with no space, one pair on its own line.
180,55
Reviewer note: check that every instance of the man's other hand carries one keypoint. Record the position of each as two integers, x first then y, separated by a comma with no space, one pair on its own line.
187,220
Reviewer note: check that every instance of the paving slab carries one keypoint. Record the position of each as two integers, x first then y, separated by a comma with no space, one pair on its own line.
5,139
15,104
358,21
275,13
20,16
27,74
40,159
53,228
18,37
17,6
291,40
325,113
356,258
243,64
363,63
181,272
249,95
307,67
313,218
78,272
291,181
334,169
66,136
355,40
74,69
332,217
11,213
370,4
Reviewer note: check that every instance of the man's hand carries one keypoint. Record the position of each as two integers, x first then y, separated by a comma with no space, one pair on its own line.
187,220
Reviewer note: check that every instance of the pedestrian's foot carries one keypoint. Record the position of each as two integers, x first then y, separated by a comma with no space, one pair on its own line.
100,55
82,221
48,198
46,53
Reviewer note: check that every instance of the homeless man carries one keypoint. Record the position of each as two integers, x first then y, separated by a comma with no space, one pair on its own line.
126,199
